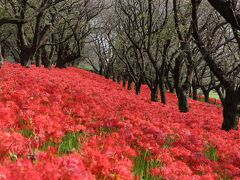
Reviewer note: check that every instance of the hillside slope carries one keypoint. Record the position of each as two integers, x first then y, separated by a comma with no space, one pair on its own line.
72,124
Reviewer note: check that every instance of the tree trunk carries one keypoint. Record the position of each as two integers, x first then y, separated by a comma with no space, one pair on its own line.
170,85
230,110
181,90
25,57
62,55
38,58
3,52
130,84
171,88
226,10
46,59
138,87
60,59
60,63
163,92
154,93
1,57
206,95
195,93
124,82
118,79
107,72
114,77
182,100
101,70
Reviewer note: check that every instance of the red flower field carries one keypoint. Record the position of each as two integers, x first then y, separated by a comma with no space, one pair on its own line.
73,124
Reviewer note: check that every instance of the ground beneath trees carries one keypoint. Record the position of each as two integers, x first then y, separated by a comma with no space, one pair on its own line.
72,124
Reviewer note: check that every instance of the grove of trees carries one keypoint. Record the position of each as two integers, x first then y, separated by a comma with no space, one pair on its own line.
180,46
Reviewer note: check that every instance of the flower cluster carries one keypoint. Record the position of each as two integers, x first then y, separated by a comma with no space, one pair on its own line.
73,124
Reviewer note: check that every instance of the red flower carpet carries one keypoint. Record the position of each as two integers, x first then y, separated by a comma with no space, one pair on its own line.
73,124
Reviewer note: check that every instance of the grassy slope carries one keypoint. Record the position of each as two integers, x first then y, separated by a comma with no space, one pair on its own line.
214,95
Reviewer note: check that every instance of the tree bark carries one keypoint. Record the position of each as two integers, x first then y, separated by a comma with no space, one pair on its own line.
25,57
154,93
3,52
114,78
231,111
138,86
195,93
124,82
206,95
163,92
38,58
182,100
1,57
118,79
45,58
107,72
101,70
171,88
181,88
60,63
130,84
226,10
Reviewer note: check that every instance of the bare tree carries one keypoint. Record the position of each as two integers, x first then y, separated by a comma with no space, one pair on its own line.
229,78
227,8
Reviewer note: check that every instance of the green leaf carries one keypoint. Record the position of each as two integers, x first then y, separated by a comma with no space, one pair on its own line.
70,143
143,164
211,153
28,133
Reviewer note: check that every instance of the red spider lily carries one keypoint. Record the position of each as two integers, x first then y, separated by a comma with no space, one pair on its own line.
38,107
